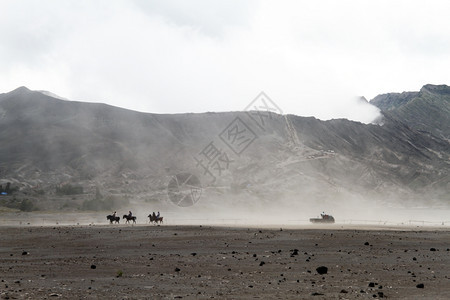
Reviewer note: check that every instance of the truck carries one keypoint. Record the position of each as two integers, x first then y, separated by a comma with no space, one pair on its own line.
324,218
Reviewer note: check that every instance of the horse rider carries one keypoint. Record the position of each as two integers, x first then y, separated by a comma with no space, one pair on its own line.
114,214
157,216
130,214
154,216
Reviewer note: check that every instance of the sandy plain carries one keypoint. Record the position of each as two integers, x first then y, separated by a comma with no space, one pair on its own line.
205,262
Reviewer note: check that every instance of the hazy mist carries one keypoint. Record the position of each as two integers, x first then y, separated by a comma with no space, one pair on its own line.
313,59
163,60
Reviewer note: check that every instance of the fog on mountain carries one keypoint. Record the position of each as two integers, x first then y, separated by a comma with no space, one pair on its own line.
73,155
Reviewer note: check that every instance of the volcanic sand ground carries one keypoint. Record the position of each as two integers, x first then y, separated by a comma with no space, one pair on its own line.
154,262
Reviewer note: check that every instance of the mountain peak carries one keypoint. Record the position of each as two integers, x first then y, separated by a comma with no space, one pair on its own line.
21,90
436,89
392,101
24,91
362,99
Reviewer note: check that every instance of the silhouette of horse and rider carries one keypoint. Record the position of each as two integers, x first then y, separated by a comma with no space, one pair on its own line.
154,218
113,218
129,217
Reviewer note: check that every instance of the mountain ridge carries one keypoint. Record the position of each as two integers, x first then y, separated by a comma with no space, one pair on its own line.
427,110
50,142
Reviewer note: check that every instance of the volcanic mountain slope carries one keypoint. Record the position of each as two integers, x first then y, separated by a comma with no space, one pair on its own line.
427,110
47,141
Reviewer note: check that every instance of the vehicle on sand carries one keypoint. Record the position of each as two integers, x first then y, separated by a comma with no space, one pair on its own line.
324,218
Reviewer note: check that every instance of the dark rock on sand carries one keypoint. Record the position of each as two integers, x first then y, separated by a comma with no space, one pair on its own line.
322,270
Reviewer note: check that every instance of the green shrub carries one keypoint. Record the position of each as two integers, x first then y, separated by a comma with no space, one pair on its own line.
23,205
69,189
26,205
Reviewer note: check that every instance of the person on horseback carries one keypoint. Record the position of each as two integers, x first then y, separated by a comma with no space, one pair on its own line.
114,214
154,216
130,214
157,216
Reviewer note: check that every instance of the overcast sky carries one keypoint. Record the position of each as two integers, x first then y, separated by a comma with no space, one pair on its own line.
310,57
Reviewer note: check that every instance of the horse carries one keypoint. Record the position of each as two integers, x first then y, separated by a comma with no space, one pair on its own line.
155,219
112,219
133,218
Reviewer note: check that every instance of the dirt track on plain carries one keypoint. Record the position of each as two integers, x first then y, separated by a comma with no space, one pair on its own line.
200,262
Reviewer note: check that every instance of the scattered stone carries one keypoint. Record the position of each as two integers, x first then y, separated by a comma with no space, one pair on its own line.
432,249
366,243
25,253
93,267
420,286
262,263
193,254
322,270
380,294
177,269
317,294
344,292
371,284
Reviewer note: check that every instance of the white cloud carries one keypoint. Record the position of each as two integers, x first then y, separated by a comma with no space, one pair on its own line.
312,58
